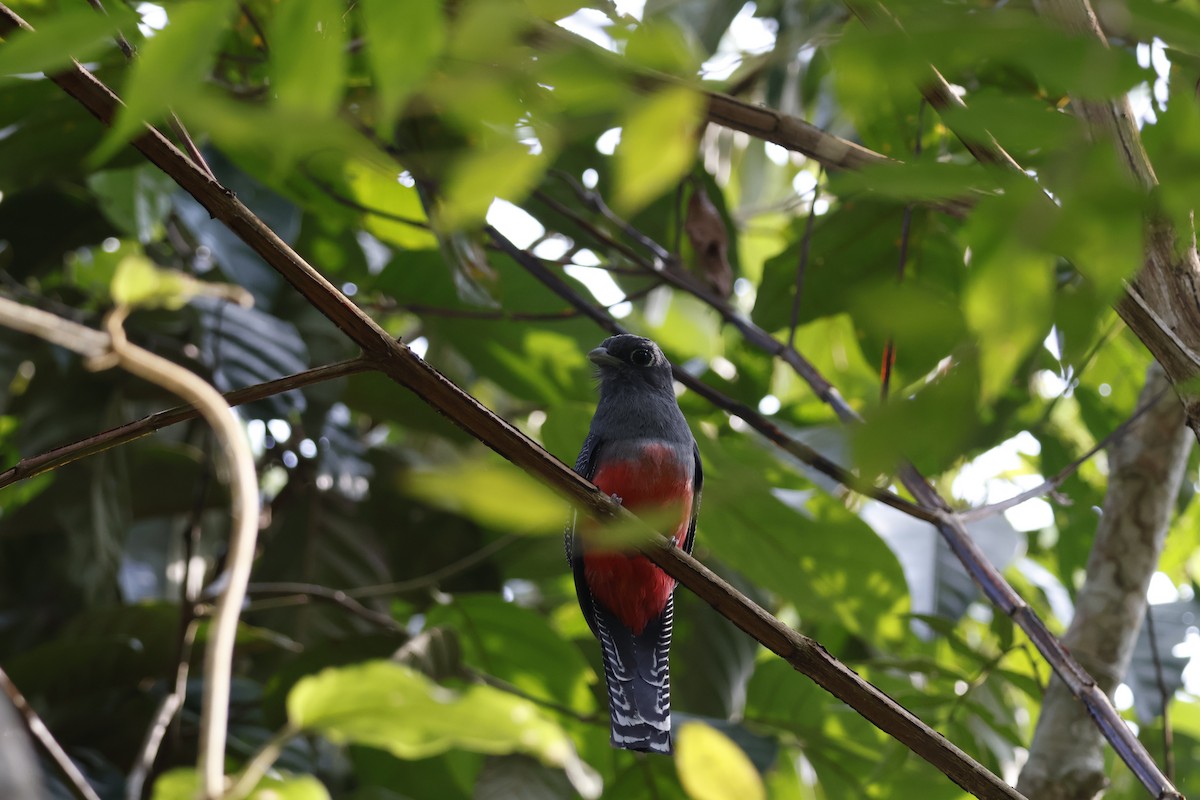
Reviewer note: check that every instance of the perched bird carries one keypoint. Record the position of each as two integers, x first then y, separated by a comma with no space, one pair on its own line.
640,451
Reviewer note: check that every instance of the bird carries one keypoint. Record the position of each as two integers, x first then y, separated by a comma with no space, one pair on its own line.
640,451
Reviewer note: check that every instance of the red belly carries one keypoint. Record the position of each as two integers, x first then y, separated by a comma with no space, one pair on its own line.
629,586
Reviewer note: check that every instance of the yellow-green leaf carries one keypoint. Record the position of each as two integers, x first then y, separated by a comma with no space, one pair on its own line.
712,767
658,145
308,54
184,783
498,168
138,282
493,493
71,33
404,38
1008,303
379,189
391,707
169,69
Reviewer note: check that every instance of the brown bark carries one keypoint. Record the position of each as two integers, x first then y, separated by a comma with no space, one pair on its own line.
1146,466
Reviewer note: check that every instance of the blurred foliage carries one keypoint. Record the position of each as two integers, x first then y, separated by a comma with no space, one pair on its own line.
375,138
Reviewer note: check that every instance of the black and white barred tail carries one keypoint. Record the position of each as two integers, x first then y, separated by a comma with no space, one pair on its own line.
638,675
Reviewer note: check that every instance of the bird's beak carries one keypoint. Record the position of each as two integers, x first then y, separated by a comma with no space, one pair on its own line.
601,357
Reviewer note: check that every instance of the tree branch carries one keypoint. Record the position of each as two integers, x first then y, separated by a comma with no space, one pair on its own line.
104,351
1161,306
997,590
1050,484
38,730
97,443
403,366
1066,760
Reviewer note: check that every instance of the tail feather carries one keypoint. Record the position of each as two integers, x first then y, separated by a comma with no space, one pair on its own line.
637,673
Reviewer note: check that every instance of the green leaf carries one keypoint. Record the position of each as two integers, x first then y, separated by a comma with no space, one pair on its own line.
138,282
404,38
169,70
1009,298
277,136
493,493
804,546
712,767
308,55
136,200
381,190
184,783
500,167
916,180
77,32
519,646
384,705
658,145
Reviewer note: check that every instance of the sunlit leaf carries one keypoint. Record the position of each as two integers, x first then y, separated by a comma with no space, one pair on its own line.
517,645
657,146
492,492
169,69
184,783
1008,303
308,54
138,282
404,37
712,767
391,707
382,191
73,32
502,168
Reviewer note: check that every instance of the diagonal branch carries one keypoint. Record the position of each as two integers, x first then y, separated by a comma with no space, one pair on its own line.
403,366
1160,306
75,779
997,590
97,443
109,349
1066,760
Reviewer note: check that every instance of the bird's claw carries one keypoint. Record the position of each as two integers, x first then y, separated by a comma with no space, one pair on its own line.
616,498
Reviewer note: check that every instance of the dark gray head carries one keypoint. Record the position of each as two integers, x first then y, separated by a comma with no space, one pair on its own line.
629,361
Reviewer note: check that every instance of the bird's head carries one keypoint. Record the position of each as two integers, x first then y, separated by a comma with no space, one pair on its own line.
629,360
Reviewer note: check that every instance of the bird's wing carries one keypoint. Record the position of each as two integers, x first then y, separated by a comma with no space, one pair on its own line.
697,485
585,465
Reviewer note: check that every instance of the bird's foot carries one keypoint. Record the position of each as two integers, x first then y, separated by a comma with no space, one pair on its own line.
616,498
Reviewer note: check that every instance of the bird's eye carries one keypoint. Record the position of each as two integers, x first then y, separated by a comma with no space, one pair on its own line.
641,357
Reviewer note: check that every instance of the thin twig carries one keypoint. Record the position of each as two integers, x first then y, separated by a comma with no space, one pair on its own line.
189,144
38,730
995,588
595,201
511,316
508,688
168,707
1060,477
403,366
889,347
243,490
802,262
99,442
120,39
257,767
438,575
312,591
254,23
1168,735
